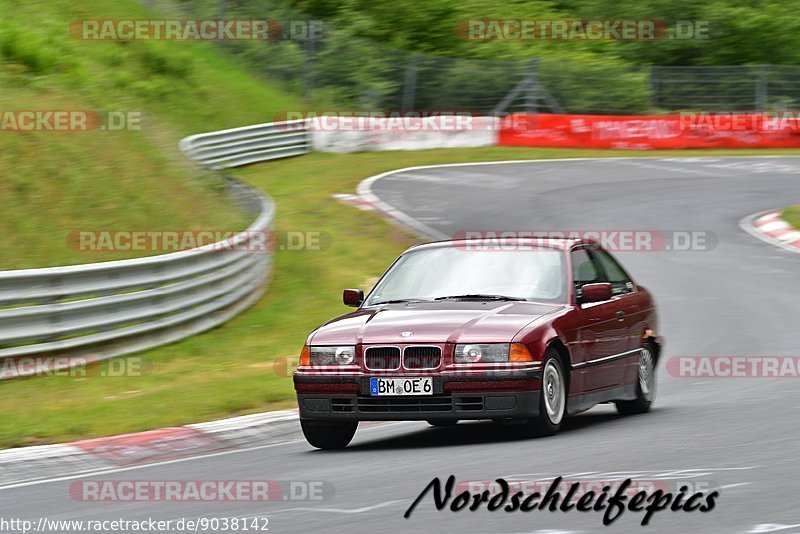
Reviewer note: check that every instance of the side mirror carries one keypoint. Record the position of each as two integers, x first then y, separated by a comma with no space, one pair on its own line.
354,297
596,292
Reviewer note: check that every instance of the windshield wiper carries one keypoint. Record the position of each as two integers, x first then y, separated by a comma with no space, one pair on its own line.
399,301
479,296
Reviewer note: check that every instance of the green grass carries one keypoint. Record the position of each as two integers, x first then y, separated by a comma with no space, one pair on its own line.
230,370
54,183
792,215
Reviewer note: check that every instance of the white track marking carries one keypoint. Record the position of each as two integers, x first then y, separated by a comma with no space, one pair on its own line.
323,510
672,474
770,527
729,486
337,510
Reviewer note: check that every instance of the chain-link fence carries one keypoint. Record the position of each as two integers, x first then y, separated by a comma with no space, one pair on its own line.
338,71
745,87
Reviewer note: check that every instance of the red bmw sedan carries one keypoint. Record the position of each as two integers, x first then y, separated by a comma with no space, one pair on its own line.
523,331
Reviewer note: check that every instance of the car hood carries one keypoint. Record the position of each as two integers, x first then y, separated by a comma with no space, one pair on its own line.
432,322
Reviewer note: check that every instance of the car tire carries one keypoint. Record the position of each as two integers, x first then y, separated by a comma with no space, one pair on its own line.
553,398
328,434
442,422
645,385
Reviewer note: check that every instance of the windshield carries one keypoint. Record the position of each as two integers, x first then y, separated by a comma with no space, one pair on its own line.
428,274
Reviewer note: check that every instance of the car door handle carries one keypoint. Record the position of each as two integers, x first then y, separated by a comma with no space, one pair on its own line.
620,315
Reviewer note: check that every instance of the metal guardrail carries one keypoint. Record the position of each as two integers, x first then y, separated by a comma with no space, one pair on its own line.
250,144
60,317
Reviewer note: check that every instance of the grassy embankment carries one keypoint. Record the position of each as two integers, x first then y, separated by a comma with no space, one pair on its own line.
57,182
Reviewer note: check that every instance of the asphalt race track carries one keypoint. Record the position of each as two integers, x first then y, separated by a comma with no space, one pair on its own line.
737,434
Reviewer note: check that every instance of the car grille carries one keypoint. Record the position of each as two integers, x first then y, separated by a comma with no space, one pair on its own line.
382,357
341,404
422,357
435,403
469,404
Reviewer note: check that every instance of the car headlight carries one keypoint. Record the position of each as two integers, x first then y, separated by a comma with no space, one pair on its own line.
332,355
482,353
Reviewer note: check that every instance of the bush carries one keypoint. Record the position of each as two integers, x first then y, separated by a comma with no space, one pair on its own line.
26,48
159,62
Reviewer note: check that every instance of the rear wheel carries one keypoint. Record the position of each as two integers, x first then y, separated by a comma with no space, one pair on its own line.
553,398
646,384
328,434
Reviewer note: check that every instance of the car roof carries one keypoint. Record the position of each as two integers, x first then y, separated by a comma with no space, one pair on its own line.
502,243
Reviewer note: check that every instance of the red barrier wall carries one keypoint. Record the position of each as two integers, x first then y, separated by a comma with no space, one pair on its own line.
651,132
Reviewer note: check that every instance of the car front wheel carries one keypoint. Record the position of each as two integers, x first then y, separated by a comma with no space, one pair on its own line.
553,399
645,386
328,434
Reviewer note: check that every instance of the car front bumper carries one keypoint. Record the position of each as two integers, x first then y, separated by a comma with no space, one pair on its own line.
348,399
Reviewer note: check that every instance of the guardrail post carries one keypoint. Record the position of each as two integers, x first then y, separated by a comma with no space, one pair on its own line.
653,75
310,47
410,83
531,94
762,82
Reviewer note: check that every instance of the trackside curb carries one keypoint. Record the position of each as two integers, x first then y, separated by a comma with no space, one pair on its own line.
770,227
30,464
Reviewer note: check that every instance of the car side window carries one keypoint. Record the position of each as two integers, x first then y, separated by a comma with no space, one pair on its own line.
620,282
584,270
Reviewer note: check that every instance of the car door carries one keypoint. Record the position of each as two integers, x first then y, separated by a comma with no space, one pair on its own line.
602,335
633,306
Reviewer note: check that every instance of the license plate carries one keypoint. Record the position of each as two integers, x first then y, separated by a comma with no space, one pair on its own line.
400,386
